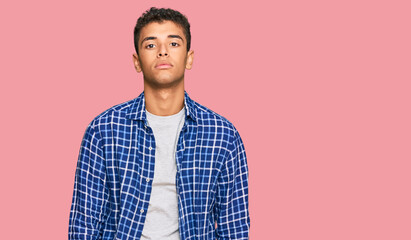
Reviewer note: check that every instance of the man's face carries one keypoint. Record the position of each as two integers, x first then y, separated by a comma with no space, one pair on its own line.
163,55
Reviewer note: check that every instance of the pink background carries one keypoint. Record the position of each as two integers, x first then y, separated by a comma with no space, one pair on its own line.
319,90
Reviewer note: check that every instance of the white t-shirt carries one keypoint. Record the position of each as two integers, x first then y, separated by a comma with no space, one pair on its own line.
162,214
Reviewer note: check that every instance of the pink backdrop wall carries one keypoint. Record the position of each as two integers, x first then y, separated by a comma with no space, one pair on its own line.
319,90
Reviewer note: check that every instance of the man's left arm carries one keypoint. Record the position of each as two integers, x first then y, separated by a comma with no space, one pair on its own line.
233,221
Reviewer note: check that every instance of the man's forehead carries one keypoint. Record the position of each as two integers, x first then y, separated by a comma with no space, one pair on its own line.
165,28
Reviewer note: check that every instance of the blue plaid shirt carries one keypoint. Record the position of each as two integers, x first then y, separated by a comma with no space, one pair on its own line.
115,170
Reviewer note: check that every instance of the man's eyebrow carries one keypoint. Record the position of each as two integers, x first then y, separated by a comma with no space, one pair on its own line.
176,36
148,38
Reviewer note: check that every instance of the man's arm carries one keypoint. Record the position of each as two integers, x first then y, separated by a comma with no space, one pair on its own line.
90,192
233,221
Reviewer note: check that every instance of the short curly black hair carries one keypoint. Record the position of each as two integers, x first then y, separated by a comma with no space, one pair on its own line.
159,15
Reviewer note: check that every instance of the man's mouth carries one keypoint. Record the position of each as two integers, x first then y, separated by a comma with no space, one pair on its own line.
163,66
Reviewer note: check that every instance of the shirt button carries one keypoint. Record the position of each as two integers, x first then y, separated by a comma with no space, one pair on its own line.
147,179
142,210
150,148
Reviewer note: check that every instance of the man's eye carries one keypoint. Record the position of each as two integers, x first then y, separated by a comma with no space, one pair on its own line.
174,44
150,45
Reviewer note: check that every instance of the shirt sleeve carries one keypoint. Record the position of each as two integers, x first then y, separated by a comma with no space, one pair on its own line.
90,194
233,221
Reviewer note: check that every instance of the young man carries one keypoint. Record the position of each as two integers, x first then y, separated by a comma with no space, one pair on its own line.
161,166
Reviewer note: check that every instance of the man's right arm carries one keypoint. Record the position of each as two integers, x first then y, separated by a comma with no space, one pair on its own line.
90,193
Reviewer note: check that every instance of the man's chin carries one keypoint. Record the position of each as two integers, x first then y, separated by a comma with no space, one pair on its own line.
163,82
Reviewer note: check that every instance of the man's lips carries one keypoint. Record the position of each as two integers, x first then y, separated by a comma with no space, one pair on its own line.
163,66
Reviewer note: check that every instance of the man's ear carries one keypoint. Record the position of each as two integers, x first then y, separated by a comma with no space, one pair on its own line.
190,57
136,62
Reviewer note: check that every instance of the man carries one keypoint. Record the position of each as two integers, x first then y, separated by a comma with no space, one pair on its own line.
161,166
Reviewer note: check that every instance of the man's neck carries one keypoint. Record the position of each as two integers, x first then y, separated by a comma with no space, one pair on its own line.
164,102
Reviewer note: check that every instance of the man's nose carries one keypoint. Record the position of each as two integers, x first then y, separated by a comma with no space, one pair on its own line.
163,51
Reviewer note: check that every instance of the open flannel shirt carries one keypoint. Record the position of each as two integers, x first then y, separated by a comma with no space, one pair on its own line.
115,170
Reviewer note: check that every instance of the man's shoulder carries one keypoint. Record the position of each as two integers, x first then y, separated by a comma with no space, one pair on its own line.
212,125
114,113
207,117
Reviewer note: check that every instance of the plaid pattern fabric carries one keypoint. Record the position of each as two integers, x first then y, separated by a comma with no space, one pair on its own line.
115,170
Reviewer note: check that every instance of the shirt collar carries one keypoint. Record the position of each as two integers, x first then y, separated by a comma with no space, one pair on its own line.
137,109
